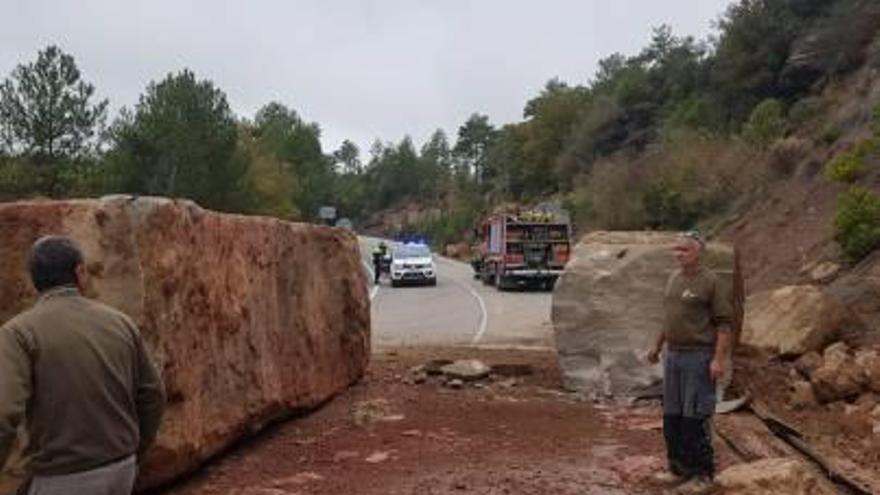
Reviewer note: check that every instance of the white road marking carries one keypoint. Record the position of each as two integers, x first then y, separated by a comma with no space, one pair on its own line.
375,289
484,314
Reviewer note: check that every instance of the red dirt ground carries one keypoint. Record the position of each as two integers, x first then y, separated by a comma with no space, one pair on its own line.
387,436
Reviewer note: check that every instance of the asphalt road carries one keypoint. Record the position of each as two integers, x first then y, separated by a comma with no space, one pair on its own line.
459,311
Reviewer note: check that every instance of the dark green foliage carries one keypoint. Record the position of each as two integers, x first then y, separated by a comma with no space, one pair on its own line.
837,42
506,162
857,226
766,123
845,168
830,134
18,179
850,166
475,137
349,156
668,208
757,41
47,111
295,141
181,142
452,225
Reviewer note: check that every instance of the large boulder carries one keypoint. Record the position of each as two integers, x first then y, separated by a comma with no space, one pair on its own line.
608,307
250,319
774,476
793,320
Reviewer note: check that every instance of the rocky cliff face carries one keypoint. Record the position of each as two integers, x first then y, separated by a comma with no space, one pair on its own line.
250,319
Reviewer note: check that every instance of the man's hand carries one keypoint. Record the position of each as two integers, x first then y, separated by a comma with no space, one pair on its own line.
716,369
653,356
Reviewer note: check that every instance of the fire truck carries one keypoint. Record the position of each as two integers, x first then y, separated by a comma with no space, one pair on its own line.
527,250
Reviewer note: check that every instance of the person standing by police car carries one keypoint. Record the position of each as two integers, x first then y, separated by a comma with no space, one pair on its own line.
379,253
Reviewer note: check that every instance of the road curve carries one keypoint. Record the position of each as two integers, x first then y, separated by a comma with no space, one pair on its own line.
459,311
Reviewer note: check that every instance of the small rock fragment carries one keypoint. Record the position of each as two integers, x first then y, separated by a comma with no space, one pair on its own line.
467,370
377,457
455,383
808,364
802,396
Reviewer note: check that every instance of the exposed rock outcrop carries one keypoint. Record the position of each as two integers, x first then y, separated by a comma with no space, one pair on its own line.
793,320
249,318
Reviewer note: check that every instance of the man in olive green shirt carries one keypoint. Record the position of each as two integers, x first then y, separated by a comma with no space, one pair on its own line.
697,333
79,375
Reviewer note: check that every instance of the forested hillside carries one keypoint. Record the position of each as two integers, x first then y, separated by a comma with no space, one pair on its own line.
680,134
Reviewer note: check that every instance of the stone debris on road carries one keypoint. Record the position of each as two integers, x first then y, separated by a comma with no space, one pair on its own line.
466,370
377,457
374,411
298,479
471,373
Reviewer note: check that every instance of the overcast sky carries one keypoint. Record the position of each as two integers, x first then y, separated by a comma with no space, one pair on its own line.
362,69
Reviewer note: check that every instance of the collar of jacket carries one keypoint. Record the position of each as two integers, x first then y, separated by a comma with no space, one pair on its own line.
61,291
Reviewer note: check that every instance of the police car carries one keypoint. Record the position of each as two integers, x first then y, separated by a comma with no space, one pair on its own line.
412,263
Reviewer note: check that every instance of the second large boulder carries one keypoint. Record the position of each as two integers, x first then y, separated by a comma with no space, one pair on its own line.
608,307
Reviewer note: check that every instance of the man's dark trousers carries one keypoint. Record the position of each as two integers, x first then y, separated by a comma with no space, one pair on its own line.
688,405
377,267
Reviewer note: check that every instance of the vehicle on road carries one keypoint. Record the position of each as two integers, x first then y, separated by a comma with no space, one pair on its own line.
527,250
412,264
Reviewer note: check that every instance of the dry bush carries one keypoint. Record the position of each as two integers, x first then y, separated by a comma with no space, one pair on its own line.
688,178
786,154
696,175
610,197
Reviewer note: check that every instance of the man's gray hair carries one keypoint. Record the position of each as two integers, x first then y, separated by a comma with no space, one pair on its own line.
697,237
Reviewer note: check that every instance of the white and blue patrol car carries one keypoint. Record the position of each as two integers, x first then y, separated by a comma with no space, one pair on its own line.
412,264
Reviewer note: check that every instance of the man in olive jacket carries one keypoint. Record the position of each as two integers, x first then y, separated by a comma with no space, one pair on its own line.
79,375
697,335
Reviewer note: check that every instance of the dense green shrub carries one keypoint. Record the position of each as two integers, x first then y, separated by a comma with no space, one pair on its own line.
451,226
804,110
18,179
857,225
845,168
670,208
766,123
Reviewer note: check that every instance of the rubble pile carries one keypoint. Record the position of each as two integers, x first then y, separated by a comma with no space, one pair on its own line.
466,373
